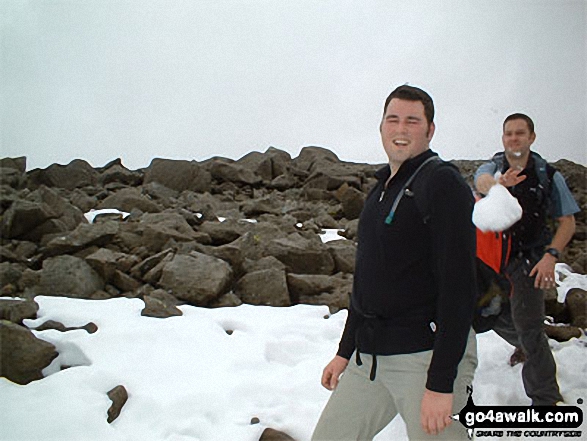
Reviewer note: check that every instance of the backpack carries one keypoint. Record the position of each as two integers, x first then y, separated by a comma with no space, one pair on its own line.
493,287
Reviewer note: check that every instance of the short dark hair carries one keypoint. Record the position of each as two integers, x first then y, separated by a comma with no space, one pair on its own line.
521,116
411,93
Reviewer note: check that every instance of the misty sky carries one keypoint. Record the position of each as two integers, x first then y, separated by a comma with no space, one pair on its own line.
103,79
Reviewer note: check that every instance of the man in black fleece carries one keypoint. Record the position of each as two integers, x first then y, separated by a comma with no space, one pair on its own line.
409,324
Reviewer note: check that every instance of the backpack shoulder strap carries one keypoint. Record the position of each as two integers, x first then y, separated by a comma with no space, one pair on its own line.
418,188
544,171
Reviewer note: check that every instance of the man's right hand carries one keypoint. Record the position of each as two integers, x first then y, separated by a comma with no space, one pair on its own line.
333,371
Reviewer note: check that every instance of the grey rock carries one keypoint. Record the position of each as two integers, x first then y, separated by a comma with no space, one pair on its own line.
24,216
159,306
301,255
235,173
196,278
270,434
178,175
118,396
22,355
84,236
344,254
16,310
264,287
77,174
68,276
128,199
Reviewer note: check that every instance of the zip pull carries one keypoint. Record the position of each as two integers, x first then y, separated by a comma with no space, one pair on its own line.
381,196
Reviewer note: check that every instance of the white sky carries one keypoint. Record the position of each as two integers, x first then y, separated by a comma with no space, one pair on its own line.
98,80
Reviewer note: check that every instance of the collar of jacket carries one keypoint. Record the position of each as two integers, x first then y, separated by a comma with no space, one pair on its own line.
406,169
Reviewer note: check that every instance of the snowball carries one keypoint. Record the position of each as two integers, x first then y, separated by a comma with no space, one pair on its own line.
497,211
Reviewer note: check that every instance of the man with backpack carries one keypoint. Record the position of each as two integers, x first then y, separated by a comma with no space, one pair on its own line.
543,195
407,347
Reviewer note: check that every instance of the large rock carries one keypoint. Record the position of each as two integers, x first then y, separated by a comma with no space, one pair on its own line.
16,310
115,172
23,217
576,302
68,276
235,173
313,289
22,355
129,199
159,228
301,255
352,201
264,287
196,278
344,254
311,158
268,165
178,175
224,232
78,173
84,236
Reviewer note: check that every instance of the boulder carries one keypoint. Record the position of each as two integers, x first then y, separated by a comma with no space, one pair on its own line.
196,278
576,302
562,333
23,217
223,232
344,253
115,172
118,396
264,287
178,175
268,165
270,434
16,310
84,236
225,172
129,199
311,158
77,174
68,276
158,228
317,289
18,164
11,177
352,201
23,356
160,304
301,255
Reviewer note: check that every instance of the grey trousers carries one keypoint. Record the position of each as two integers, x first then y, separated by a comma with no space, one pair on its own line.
359,408
521,324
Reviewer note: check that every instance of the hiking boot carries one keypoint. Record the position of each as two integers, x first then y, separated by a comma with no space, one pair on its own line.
517,357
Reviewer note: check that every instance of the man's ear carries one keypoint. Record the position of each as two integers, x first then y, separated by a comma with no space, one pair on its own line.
431,130
532,138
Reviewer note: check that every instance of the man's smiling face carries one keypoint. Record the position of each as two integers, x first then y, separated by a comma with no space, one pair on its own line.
405,132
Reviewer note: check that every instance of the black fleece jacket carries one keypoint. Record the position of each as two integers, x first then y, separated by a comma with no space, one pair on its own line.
419,277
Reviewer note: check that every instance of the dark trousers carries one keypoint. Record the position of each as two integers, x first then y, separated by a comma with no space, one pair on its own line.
521,324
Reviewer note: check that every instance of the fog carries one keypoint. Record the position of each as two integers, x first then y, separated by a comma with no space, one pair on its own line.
107,79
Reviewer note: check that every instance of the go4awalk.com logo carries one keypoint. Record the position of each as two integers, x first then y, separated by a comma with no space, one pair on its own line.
521,421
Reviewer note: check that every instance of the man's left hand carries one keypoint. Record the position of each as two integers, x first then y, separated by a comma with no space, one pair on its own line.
436,411
544,272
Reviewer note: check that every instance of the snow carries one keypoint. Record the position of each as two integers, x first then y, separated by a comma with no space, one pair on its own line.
91,215
497,211
207,374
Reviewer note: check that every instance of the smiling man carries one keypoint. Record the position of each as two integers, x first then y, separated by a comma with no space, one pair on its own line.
542,194
407,347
